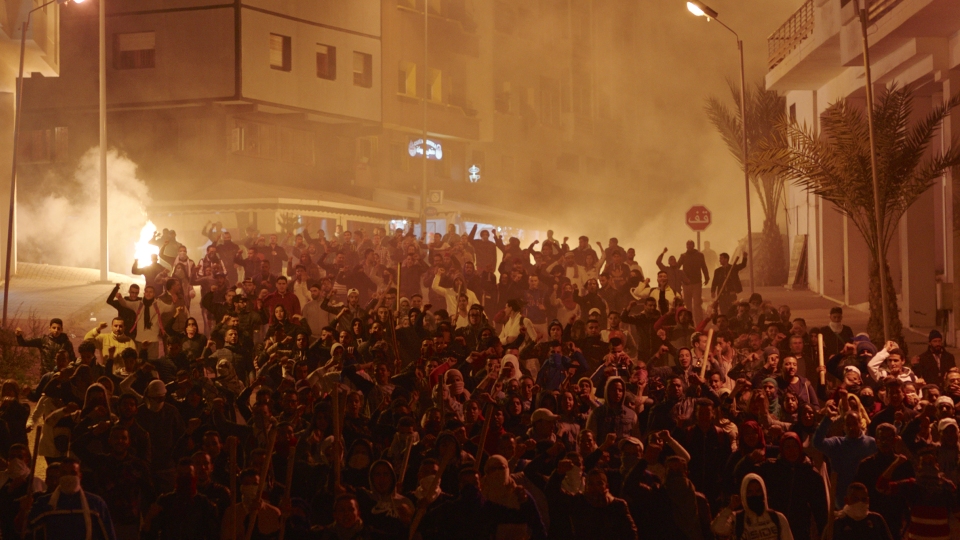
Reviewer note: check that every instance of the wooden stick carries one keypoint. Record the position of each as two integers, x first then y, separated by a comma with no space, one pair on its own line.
291,460
706,355
488,415
25,527
823,374
232,464
336,439
398,288
406,460
271,441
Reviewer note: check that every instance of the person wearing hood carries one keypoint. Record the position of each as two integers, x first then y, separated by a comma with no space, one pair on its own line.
594,513
749,517
163,422
614,416
856,522
508,510
227,377
70,512
934,363
381,506
930,497
429,492
795,488
356,470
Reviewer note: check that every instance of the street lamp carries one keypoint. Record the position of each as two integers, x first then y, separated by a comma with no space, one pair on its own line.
702,10
16,142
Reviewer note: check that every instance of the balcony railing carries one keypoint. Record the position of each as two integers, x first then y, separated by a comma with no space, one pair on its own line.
797,28
879,8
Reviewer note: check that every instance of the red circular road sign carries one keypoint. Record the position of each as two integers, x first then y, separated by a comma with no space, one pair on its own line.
698,217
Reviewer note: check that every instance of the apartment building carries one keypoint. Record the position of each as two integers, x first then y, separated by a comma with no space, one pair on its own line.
816,59
329,97
41,57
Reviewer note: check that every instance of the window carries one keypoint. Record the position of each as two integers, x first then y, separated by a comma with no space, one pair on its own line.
296,146
280,52
504,99
366,149
407,79
42,145
435,85
362,69
549,101
326,62
134,51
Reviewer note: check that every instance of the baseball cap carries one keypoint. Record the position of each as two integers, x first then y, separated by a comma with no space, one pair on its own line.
542,414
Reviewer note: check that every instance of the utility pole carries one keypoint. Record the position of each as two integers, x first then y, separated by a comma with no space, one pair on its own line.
864,15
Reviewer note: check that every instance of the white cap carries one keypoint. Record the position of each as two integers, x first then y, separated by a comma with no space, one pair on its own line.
156,389
946,422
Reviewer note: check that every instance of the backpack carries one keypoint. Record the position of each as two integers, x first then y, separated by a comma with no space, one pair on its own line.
739,523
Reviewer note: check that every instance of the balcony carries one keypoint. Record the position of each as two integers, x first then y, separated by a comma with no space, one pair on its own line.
797,28
879,8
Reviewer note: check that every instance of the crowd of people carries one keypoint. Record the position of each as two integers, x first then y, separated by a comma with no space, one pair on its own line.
462,386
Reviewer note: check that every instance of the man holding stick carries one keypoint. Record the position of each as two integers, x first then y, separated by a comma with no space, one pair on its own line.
726,282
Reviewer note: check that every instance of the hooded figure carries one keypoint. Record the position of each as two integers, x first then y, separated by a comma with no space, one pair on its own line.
382,507
614,416
227,376
755,520
512,360
509,510
357,460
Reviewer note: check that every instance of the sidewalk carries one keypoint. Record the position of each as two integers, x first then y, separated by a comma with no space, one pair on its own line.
815,309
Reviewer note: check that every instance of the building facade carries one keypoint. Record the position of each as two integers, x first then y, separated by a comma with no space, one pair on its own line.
41,57
332,96
815,60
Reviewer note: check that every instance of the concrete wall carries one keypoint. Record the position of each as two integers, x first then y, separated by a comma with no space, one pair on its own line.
300,87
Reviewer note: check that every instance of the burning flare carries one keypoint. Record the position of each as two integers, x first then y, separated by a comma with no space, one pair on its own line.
143,248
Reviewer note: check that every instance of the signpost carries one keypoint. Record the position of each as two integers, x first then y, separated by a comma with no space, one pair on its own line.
698,219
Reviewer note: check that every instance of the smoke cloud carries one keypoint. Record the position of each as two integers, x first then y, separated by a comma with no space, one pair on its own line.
60,224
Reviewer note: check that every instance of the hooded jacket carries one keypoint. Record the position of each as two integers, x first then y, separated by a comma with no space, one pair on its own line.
610,418
796,490
755,527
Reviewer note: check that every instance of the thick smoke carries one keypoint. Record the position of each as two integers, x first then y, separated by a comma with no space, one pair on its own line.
62,226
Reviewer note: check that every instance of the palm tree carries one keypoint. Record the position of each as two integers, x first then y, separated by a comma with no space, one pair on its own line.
835,164
765,109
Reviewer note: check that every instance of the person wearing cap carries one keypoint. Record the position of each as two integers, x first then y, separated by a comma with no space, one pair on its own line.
543,426
934,363
345,313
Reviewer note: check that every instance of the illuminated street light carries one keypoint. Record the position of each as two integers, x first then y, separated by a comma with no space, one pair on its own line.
702,10
16,142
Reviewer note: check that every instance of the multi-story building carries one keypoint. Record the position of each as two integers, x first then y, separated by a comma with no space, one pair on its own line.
315,107
816,59
42,56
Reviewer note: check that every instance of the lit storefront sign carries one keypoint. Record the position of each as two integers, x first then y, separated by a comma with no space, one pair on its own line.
474,174
434,149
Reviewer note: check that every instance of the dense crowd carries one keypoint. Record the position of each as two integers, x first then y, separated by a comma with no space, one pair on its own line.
466,387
